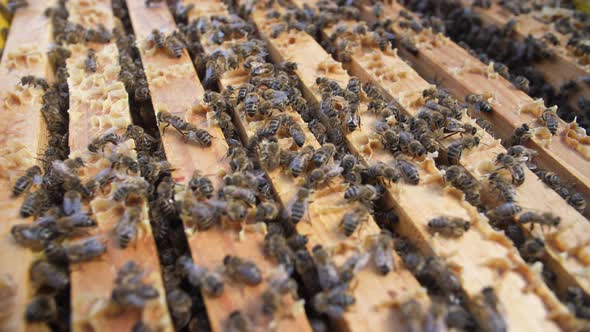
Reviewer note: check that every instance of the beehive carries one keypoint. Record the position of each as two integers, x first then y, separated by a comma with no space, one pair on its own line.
261,166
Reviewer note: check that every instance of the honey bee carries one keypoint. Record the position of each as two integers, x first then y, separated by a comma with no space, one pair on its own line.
238,322
300,163
327,273
46,274
543,219
75,252
533,249
486,307
90,61
148,3
333,302
42,308
200,185
132,187
297,133
36,82
365,194
126,228
351,220
578,201
348,162
448,226
521,83
70,224
384,171
551,120
156,38
100,35
269,155
382,250
202,215
180,304
518,175
551,179
275,245
505,211
299,205
100,143
267,211
504,188
173,46
436,269
130,290
35,203
251,102
242,270
485,125
246,195
479,102
210,282
521,135
32,235
409,171
24,183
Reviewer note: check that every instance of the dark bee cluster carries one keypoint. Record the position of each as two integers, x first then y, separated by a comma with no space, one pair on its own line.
514,58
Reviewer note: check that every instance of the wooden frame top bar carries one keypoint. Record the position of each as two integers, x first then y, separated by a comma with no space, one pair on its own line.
182,95
23,137
471,255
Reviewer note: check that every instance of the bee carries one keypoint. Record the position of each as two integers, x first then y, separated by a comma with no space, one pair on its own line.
300,163
35,203
275,245
173,46
24,183
269,155
347,162
322,155
505,189
409,46
551,120
299,205
238,322
485,125
148,3
551,179
334,132
333,302
156,38
246,195
533,249
251,102
365,194
505,211
267,211
236,210
130,290
100,35
521,83
456,148
518,175
435,269
210,282
131,187
69,224
327,273
382,170
36,82
479,102
543,219
199,136
123,162
46,274
90,61
100,143
180,304
242,270
409,171
521,135
42,308
448,226
75,252
486,307
297,134
351,220
382,249
126,228
200,185
578,201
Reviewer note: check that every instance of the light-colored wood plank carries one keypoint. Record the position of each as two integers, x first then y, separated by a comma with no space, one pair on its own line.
322,226
370,64
462,75
99,103
563,67
23,137
178,94
472,255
